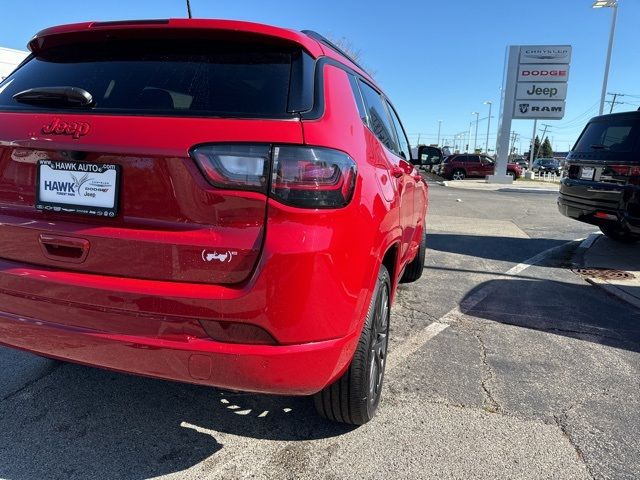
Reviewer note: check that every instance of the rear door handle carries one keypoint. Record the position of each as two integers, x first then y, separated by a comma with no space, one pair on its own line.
65,249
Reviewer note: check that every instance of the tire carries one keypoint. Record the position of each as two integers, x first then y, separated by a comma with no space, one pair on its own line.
413,271
619,234
513,174
355,396
458,175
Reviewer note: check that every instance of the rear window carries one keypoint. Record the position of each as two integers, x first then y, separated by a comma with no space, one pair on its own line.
615,135
177,77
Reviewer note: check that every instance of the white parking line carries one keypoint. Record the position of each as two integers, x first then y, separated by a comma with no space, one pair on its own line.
419,339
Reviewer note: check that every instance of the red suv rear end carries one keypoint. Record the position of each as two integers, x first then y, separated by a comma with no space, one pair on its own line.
213,202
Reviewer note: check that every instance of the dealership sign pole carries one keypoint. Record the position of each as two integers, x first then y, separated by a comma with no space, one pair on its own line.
534,87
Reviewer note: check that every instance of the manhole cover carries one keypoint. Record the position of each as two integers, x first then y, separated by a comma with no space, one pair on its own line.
603,273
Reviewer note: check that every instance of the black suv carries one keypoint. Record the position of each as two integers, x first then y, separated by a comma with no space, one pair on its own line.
602,185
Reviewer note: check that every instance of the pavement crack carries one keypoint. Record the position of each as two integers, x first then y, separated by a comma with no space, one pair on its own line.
493,406
28,384
561,423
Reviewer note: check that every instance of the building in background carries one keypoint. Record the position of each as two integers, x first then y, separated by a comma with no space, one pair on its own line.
10,59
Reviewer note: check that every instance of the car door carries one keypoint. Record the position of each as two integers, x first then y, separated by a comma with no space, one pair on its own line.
400,169
474,167
418,200
487,165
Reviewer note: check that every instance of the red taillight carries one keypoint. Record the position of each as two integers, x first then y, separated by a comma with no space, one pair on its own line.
605,216
307,177
634,175
312,177
233,332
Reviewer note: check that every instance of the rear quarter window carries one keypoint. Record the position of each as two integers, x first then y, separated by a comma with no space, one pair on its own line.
177,77
611,135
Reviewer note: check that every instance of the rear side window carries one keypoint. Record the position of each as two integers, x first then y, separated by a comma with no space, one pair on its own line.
403,143
379,121
358,98
177,77
615,135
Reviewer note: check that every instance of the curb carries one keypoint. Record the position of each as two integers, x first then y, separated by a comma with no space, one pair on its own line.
510,188
609,288
615,291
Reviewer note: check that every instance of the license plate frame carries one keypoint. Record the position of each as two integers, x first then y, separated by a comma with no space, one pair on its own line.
83,188
587,173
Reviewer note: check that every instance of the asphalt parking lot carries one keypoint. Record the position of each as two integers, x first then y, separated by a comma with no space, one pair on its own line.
499,368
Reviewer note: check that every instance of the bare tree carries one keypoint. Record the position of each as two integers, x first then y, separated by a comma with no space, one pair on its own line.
356,54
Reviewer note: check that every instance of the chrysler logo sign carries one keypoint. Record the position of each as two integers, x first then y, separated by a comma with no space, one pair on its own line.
545,54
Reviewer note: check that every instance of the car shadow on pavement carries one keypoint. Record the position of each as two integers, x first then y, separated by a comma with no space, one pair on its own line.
80,422
507,249
542,305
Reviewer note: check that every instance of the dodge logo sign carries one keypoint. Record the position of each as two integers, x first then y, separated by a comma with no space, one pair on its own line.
543,73
524,107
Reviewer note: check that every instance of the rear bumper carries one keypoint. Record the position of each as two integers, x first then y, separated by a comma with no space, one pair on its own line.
581,200
301,369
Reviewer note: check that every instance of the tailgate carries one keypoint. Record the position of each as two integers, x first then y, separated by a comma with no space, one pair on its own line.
171,224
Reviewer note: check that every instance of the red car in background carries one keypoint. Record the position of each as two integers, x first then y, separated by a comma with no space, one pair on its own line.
461,166
214,202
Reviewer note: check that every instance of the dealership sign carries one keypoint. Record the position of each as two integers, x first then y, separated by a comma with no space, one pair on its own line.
541,81
534,87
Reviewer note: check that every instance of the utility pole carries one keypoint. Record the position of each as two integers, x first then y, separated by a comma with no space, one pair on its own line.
544,132
533,142
613,102
475,139
189,9
439,125
515,140
469,137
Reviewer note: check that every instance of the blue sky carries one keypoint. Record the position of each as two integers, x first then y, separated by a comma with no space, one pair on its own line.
436,59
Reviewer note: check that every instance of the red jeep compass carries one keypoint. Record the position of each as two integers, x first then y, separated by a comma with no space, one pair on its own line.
214,202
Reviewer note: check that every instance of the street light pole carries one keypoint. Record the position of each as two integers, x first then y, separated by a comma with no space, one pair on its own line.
486,145
469,137
475,140
439,125
614,5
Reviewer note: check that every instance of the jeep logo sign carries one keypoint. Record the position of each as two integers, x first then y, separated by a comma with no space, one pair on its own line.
541,91
543,73
539,109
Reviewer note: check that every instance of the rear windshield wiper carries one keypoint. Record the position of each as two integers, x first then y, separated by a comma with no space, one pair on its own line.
56,97
599,146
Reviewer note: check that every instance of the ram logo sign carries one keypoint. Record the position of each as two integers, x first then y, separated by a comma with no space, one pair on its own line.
543,109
